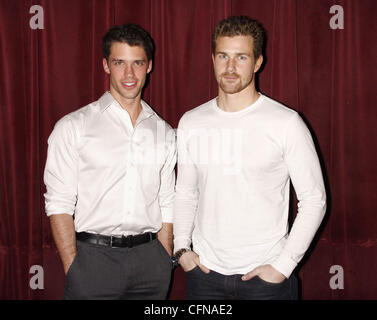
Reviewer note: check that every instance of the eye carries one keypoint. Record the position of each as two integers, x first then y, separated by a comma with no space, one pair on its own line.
242,58
139,63
222,56
118,62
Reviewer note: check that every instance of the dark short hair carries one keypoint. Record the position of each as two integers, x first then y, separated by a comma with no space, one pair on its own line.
241,26
129,33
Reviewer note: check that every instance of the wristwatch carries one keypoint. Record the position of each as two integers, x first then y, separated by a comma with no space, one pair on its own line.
175,258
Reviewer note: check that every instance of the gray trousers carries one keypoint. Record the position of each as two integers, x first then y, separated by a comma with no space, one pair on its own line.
98,272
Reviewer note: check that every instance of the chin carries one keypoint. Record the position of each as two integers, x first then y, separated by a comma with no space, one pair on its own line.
128,94
231,90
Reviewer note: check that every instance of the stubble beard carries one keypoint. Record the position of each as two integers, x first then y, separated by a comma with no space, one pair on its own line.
236,87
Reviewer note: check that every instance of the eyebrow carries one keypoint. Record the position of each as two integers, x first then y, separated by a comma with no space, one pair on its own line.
237,54
115,59
122,60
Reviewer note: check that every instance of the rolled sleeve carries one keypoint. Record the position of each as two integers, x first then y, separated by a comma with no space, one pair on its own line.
60,175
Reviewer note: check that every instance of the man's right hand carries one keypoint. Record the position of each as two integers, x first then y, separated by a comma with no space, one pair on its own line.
189,260
63,231
67,264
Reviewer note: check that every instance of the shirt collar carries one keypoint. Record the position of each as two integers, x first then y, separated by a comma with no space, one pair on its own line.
107,99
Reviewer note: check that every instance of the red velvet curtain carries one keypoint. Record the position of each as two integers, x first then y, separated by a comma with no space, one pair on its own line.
328,75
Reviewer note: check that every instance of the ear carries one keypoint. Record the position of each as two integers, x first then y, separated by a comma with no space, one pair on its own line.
258,63
213,58
105,66
150,64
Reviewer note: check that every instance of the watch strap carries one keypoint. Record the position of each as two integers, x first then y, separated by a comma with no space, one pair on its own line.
178,254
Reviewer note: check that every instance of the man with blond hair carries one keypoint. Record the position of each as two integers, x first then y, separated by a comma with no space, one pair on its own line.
237,155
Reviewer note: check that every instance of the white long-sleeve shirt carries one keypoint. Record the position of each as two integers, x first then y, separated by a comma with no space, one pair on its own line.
232,193
116,178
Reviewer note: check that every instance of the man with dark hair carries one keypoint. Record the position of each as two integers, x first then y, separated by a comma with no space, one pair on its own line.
110,183
129,33
237,154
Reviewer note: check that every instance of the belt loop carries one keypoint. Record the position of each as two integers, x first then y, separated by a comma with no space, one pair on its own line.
150,236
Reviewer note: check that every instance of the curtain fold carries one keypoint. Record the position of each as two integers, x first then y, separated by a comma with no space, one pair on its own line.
327,75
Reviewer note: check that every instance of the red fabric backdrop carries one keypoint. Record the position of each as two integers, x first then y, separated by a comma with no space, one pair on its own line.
328,75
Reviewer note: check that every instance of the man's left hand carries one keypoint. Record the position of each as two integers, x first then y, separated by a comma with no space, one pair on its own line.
267,273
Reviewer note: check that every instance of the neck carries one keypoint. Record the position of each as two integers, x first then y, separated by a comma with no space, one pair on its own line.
237,101
132,106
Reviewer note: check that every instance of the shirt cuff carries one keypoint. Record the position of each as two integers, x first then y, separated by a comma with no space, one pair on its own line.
180,243
284,264
167,215
52,212
59,207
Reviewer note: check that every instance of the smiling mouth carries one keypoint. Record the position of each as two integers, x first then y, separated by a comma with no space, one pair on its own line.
129,84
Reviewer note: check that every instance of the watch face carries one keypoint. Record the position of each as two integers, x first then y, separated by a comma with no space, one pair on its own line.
174,261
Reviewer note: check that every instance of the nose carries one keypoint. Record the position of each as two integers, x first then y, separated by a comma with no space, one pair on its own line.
128,70
230,65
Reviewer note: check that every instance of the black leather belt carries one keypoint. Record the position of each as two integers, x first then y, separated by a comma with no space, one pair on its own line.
117,242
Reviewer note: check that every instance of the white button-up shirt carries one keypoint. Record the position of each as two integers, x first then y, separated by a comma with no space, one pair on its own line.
116,178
